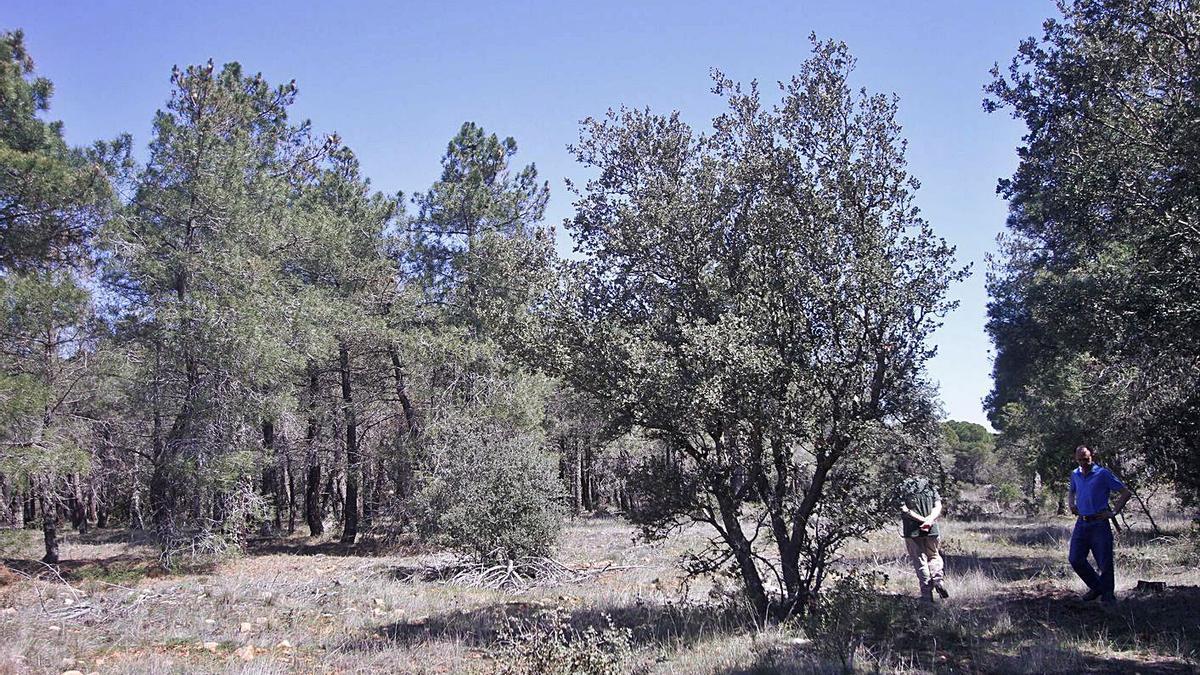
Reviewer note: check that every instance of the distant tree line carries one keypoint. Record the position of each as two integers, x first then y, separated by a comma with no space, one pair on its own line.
242,336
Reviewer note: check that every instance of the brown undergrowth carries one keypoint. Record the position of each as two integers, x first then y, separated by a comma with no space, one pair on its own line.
296,605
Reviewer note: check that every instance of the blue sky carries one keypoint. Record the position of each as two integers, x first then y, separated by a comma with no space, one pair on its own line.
397,79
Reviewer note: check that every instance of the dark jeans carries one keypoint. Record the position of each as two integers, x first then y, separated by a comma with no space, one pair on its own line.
1097,538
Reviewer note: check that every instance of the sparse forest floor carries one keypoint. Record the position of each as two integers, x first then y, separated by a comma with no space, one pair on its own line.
295,606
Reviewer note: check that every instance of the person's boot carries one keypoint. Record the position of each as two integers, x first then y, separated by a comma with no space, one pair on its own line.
1091,595
941,590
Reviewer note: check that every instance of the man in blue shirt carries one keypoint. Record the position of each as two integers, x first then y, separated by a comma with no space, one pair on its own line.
1089,489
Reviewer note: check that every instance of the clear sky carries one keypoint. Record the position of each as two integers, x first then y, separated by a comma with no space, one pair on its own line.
396,79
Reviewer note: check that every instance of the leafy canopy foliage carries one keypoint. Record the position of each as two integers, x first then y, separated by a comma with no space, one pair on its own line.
759,300
478,250
1095,306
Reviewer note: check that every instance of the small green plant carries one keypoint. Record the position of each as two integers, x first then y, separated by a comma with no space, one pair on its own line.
548,644
1006,494
847,614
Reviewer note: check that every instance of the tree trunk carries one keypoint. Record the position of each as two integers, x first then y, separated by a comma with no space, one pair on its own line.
136,522
6,501
49,525
270,475
29,508
575,460
736,539
77,505
1146,510
587,484
350,513
289,488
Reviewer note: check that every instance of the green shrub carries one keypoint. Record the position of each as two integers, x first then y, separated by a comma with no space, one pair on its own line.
548,645
1006,494
848,614
490,492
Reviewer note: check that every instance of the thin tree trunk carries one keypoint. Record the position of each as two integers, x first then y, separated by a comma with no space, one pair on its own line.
587,484
6,501
49,525
578,494
29,508
77,506
270,475
353,469
1146,510
289,487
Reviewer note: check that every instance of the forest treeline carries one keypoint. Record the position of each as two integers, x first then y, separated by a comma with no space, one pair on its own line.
240,336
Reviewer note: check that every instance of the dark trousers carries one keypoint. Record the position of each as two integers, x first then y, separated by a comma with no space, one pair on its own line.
1094,537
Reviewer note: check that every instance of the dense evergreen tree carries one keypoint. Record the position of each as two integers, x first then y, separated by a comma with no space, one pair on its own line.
52,198
1096,295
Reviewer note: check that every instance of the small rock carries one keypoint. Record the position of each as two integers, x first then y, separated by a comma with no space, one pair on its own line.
246,653
418,621
267,597
210,622
284,644
72,672
68,601
246,627
379,601
68,661
211,646
260,620
8,610
55,629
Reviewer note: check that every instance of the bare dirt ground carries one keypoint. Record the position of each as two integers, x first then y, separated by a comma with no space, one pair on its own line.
294,605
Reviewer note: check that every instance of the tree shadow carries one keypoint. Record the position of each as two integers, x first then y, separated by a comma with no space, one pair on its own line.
1051,631
110,569
648,623
366,547
1045,534
1003,568
1059,534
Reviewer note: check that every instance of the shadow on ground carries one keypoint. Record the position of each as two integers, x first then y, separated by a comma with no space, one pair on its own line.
1004,568
1042,535
648,623
1051,631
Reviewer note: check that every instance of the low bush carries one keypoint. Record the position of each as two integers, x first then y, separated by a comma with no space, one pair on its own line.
548,644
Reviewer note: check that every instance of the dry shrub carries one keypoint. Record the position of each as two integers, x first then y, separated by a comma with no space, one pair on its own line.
548,644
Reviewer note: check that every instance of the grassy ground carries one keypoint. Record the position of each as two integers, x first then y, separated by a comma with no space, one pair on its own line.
300,606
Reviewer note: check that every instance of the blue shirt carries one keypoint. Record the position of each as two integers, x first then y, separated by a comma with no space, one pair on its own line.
1091,491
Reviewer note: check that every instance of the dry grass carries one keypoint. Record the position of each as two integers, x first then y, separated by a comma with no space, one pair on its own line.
319,609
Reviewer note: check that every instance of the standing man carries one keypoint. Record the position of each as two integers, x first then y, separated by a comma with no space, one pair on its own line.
1088,492
920,507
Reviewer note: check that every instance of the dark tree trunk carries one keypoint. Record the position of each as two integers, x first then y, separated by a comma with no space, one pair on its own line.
29,508
588,486
312,500
270,475
101,514
289,488
410,414
77,505
353,469
740,545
